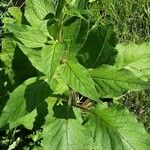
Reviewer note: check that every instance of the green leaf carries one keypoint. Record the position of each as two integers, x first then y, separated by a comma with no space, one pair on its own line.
135,58
43,8
29,36
78,42
32,17
113,82
34,56
25,120
71,28
63,130
115,128
58,85
16,12
7,54
77,77
99,48
51,57
25,99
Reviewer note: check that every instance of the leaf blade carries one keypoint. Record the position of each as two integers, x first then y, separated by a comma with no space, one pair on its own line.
77,77
63,130
112,82
116,128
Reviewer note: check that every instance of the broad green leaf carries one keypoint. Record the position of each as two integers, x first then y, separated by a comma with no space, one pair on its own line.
78,42
63,130
116,129
77,78
29,36
31,16
25,99
33,19
99,48
135,58
71,28
57,84
33,55
25,120
51,57
113,82
43,7
7,54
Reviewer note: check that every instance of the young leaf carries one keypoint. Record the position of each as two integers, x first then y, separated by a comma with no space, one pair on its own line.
32,17
23,101
113,82
43,7
51,57
29,36
115,128
63,130
99,48
135,58
34,56
77,77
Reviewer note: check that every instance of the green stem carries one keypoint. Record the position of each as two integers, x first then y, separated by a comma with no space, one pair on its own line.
59,8
59,15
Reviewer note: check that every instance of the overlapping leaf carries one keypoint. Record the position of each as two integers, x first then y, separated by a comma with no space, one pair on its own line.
62,130
25,99
32,17
99,48
78,42
43,8
135,58
34,56
77,77
113,82
71,28
29,36
51,57
115,128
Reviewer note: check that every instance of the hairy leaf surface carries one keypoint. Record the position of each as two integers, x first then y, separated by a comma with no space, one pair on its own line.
135,58
63,130
32,17
115,128
77,77
43,7
29,36
51,57
113,82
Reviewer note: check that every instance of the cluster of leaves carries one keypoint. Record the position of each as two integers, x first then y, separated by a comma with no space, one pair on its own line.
62,64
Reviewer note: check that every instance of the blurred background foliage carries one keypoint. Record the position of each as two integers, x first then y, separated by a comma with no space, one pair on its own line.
131,18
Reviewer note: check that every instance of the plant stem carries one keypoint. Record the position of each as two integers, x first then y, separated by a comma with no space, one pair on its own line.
59,16
59,8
